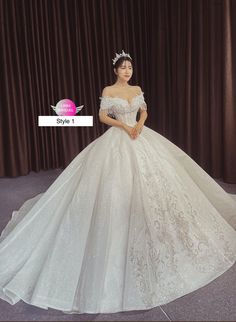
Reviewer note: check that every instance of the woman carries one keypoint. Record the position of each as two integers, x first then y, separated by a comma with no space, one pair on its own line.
124,70
132,223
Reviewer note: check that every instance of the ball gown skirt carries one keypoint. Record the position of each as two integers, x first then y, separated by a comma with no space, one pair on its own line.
128,225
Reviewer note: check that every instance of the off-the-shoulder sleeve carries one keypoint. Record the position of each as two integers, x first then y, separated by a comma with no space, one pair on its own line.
142,103
106,105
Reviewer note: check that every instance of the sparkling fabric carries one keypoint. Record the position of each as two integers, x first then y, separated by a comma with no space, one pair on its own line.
129,224
122,109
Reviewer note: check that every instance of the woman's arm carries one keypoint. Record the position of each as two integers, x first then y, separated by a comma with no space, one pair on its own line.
143,113
104,118
143,117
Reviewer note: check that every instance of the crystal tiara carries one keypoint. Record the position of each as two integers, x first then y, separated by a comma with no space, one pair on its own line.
123,54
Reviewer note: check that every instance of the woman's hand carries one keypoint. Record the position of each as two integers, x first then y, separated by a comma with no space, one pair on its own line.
128,129
133,131
137,129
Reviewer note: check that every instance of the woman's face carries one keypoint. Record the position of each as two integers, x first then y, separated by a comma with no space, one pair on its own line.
124,71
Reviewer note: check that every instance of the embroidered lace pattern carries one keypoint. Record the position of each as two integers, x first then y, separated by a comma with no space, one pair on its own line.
173,229
119,105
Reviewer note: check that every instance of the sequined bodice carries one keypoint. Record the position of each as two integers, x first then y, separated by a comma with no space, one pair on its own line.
122,109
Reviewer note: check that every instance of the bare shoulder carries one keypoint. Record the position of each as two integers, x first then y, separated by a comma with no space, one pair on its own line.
109,91
106,91
138,89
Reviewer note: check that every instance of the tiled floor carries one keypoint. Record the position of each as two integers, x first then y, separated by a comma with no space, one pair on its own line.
213,302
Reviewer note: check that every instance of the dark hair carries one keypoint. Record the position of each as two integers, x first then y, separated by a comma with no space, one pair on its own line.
120,61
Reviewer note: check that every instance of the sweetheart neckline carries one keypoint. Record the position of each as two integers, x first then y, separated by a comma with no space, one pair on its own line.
123,99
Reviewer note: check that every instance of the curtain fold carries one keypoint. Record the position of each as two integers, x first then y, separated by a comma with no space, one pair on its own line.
184,59
229,95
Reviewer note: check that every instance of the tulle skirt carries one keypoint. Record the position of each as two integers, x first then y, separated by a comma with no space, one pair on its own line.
128,225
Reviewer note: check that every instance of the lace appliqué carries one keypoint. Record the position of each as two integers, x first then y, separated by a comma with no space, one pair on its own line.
118,105
141,102
174,242
106,105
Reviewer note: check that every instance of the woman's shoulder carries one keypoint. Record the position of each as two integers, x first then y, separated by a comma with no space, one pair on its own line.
106,91
138,88
114,86
110,90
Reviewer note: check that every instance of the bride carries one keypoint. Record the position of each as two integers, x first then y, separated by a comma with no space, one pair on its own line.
131,223
122,90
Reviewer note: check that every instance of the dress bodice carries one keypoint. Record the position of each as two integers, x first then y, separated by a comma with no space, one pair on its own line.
122,109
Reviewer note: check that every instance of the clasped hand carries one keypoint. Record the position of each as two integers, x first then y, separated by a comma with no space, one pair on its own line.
134,131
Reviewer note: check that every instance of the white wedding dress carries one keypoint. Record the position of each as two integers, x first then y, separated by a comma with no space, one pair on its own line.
130,224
